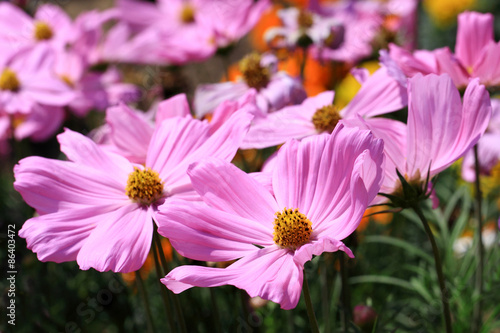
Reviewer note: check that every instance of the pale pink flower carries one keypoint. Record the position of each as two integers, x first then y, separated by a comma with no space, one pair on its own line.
476,54
275,89
380,93
326,182
18,30
488,147
97,208
440,129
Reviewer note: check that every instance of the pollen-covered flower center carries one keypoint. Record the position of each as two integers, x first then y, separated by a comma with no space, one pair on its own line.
305,19
292,229
9,80
144,186
43,31
187,14
255,75
326,118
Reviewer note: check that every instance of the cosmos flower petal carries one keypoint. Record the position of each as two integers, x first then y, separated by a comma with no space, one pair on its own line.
83,151
59,236
176,106
225,187
120,241
131,141
379,94
474,31
52,185
315,248
223,144
325,164
487,66
199,232
269,273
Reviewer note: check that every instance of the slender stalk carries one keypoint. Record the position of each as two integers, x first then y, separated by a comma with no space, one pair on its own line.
173,297
310,311
215,311
477,313
345,293
303,64
439,269
163,291
144,296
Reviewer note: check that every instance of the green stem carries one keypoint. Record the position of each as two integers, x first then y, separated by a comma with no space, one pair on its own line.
345,293
163,291
142,291
439,269
303,64
310,311
477,316
173,297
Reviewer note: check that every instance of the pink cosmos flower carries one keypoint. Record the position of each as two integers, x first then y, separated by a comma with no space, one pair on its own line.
380,93
97,207
320,189
476,54
440,129
18,30
275,89
488,147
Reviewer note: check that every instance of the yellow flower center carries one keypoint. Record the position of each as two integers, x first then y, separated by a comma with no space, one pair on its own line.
305,19
187,14
292,229
253,73
43,31
144,186
326,118
9,80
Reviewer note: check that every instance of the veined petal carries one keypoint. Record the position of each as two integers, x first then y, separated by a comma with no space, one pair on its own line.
474,32
85,152
225,187
270,273
487,66
316,248
223,144
433,101
379,94
59,236
130,132
176,106
52,185
448,64
200,232
120,242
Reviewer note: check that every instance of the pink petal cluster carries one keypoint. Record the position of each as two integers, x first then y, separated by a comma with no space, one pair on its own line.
179,31
476,54
280,91
380,93
85,213
329,178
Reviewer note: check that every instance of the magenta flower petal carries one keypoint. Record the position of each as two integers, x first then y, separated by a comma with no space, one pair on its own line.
487,66
269,273
176,106
83,151
225,187
59,236
448,64
435,101
120,241
379,94
324,195
475,31
220,236
51,185
178,142
325,244
131,141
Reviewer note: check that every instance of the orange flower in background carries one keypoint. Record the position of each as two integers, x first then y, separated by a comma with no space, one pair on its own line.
382,218
269,19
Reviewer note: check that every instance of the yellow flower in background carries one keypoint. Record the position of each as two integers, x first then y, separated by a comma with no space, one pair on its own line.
349,86
444,12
